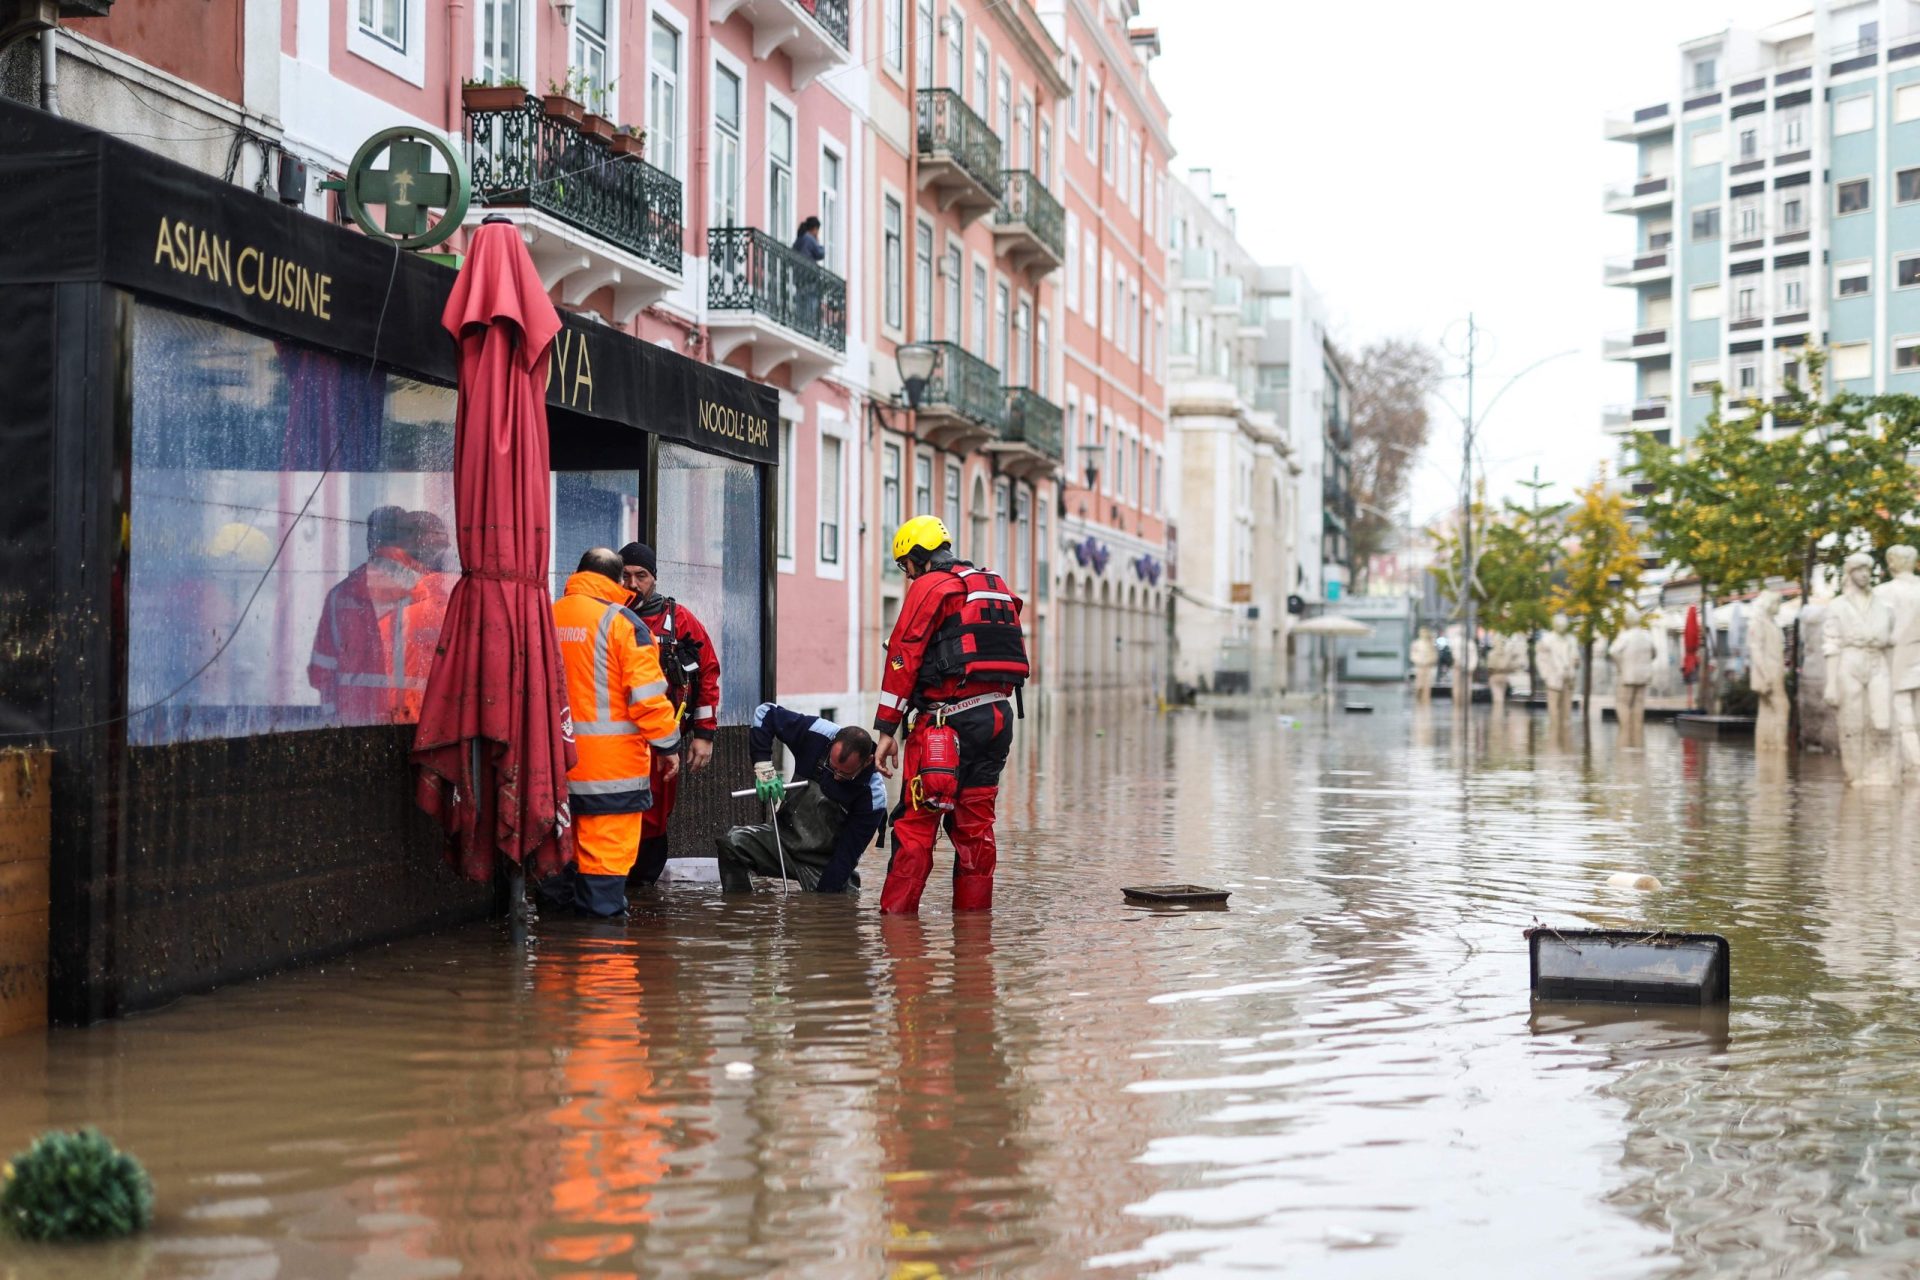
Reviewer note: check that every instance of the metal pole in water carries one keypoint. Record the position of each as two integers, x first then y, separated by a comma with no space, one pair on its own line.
773,818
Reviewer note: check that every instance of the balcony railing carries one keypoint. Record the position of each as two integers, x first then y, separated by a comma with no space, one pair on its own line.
950,128
748,270
1034,421
1027,203
965,384
522,156
1228,292
831,15
1629,266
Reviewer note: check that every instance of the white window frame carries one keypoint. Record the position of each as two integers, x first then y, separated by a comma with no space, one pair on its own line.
1783,195
523,40
1708,146
1026,133
1850,349
663,149
1846,104
1069,434
1022,354
1897,344
784,559
1043,354
1092,131
1790,124
1747,285
1899,258
893,37
982,77
955,35
924,237
1742,205
926,55
1913,199
409,62
893,262
980,298
1089,275
1075,74
1003,108
954,313
781,229
833,230
605,101
953,497
1745,360
1697,385
1719,224
1849,181
924,461
735,68
1002,335
832,427
1072,264
1906,102
1853,269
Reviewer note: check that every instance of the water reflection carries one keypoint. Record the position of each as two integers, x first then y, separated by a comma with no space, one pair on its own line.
1341,1074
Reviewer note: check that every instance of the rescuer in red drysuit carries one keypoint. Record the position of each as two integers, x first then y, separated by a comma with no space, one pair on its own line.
956,656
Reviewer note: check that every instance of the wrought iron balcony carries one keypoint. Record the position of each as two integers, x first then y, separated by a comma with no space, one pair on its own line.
960,156
1030,224
964,403
521,156
1030,442
813,33
748,270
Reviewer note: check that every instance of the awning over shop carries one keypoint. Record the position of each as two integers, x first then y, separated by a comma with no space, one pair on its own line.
82,205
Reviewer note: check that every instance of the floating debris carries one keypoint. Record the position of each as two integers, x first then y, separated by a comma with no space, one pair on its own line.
1633,880
1173,895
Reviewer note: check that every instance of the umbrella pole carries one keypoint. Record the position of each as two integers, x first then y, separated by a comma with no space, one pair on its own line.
517,914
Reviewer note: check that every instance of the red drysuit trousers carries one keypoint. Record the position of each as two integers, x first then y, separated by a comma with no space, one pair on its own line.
986,735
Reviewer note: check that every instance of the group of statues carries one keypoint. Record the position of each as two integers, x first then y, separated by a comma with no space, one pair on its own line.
1870,640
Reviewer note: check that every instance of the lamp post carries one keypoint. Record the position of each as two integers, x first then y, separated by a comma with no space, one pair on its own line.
916,362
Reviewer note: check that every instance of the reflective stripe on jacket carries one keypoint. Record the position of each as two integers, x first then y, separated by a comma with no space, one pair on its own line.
621,714
375,642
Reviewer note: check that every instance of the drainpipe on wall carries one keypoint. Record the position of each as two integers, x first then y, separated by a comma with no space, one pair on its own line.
697,201
50,71
455,122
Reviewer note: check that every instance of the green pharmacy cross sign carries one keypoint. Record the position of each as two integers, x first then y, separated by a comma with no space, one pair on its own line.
407,187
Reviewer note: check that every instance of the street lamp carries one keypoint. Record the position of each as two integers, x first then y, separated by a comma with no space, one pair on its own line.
916,362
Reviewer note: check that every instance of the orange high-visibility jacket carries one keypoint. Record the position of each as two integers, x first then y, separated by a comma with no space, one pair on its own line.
618,696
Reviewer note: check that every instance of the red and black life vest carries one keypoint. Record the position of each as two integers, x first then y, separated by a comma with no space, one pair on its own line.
982,640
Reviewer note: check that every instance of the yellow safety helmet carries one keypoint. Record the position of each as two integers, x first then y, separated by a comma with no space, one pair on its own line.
924,533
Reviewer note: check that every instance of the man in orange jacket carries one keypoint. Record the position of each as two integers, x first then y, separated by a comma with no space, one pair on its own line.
621,716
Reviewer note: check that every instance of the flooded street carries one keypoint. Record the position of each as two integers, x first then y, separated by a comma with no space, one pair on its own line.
1340,1075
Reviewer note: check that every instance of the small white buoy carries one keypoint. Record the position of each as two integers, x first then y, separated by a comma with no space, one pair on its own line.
740,1069
1632,880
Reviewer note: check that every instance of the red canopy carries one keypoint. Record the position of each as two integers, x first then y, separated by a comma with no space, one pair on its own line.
496,682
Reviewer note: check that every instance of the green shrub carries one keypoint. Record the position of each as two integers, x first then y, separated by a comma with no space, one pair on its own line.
75,1186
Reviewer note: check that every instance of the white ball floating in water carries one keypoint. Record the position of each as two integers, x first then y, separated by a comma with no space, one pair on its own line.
740,1069
1632,880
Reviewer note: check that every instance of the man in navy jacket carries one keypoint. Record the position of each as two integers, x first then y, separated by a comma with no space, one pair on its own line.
825,826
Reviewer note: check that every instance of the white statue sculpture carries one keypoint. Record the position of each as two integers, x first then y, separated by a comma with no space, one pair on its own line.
1767,674
1901,594
1633,653
1558,657
1506,657
1425,655
1857,638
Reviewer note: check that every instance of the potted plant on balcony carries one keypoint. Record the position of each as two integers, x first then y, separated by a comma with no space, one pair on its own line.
560,102
478,95
629,141
596,98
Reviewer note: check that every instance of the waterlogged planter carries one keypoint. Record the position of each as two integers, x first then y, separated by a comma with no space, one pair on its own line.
492,97
560,107
598,126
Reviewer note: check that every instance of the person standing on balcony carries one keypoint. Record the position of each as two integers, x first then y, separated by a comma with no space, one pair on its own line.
807,241
691,665
955,660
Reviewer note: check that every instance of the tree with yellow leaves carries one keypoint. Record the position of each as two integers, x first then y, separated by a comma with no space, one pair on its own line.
1601,573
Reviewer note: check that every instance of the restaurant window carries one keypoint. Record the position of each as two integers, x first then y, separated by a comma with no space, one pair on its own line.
289,550
891,266
590,53
728,102
780,223
709,550
663,97
830,499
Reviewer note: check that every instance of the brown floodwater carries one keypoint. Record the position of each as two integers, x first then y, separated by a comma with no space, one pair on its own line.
1340,1075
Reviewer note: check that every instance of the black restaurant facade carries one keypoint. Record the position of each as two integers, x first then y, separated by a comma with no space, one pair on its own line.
212,407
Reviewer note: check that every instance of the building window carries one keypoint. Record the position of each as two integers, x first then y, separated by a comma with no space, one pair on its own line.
951,270
1073,262
1002,524
1106,143
1022,509
502,56
1147,192
923,282
1043,355
1703,376
1906,271
982,73
891,265
1793,290
956,52
922,485
1906,103
830,499
728,144
783,517
1851,196
1044,160
1022,329
980,310
1746,218
1853,279
1703,302
1003,106
1852,360
1093,135
1073,95
590,40
1853,115
1746,376
1906,186
663,97
1793,211
1789,366
1706,71
952,518
779,174
1070,436
1706,223
923,43
1746,299
1906,355
1747,147
979,548
1709,146
1792,124
893,35
890,514
385,21
1024,157
832,237
1089,286
1001,322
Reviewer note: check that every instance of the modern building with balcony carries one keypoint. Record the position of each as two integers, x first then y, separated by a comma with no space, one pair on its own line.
1259,447
1775,202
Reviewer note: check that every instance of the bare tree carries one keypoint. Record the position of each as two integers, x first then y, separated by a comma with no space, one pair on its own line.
1391,379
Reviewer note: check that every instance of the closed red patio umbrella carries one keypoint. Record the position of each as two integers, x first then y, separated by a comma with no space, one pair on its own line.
495,739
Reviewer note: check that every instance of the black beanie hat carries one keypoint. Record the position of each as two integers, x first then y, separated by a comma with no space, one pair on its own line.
638,555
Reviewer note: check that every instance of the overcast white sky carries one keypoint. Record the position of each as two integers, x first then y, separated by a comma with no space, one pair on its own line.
1424,160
